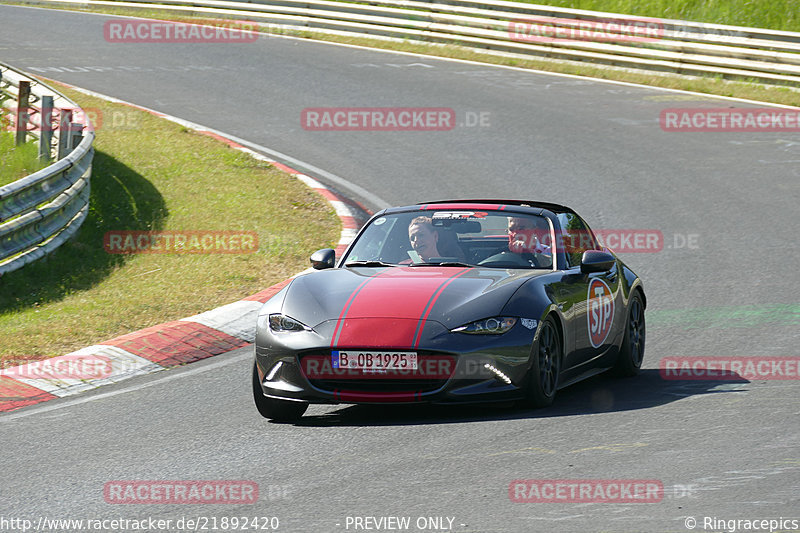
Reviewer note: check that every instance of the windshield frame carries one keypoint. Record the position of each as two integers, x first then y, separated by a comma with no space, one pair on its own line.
428,210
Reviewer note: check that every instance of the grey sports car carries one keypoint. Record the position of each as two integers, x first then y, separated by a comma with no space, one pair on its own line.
447,302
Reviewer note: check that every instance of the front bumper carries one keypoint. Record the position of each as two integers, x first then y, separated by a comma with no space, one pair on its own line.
456,368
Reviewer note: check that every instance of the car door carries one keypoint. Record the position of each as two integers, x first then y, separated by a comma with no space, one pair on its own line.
594,298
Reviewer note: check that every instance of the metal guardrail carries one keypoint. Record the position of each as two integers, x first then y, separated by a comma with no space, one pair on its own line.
41,211
522,30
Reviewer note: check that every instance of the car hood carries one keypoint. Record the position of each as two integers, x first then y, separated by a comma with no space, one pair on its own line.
452,296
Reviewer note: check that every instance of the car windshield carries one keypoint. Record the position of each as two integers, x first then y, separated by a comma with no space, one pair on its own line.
453,237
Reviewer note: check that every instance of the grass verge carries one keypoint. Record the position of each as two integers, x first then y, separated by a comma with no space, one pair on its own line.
770,14
155,175
17,161
683,9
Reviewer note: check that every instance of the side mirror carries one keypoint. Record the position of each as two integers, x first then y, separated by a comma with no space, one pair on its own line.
596,261
322,259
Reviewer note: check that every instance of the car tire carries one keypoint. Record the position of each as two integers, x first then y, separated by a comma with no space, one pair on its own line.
631,353
545,366
274,409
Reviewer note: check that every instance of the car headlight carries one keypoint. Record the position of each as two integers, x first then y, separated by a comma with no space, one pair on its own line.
280,323
488,326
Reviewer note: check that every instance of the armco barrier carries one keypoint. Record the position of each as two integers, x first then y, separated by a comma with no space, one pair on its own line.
41,211
524,30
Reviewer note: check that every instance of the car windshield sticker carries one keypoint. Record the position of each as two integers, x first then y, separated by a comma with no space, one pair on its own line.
600,307
459,215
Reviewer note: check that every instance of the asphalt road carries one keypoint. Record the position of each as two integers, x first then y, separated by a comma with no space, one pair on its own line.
723,450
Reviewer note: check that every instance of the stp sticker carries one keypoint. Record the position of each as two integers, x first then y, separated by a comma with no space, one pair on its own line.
459,215
600,315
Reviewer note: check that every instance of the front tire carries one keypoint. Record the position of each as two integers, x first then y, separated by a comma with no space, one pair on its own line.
274,409
546,365
631,353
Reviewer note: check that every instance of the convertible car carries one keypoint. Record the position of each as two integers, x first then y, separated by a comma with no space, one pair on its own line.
451,302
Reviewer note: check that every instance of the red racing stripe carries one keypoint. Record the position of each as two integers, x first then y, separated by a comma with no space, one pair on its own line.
388,311
338,329
431,303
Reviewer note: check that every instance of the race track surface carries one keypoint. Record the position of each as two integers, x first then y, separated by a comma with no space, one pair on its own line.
724,283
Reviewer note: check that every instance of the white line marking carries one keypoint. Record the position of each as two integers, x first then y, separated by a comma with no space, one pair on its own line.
338,180
237,319
279,156
124,364
466,62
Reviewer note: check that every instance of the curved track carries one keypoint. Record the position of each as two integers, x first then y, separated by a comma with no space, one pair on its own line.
724,450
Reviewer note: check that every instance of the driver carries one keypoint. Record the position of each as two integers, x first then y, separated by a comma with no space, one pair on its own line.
424,238
525,250
523,236
524,241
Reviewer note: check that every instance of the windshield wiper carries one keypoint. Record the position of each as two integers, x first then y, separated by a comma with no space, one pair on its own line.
372,263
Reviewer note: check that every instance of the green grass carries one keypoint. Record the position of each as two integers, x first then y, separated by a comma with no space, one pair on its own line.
155,175
769,14
17,161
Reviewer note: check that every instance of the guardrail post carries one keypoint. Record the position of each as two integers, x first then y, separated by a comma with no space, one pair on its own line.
75,135
65,119
23,101
46,129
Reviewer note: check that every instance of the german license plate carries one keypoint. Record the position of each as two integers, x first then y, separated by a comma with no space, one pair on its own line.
374,361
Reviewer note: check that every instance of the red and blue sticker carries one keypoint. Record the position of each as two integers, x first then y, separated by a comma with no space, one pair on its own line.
600,311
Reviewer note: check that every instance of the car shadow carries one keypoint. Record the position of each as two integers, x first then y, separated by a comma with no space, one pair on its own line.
599,394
